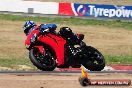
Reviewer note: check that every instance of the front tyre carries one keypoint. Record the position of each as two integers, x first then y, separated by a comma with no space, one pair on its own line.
45,62
94,60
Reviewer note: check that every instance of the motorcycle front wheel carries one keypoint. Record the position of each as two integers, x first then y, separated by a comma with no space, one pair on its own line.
94,60
45,62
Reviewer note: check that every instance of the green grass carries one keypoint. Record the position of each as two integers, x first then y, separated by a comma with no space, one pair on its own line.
9,62
17,63
111,60
72,20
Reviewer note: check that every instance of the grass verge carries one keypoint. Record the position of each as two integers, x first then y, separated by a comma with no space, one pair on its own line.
72,20
110,60
14,61
118,60
16,64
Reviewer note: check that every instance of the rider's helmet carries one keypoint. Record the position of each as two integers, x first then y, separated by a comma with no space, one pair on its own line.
28,26
65,31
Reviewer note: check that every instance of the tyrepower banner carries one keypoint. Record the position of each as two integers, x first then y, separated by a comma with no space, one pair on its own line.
94,10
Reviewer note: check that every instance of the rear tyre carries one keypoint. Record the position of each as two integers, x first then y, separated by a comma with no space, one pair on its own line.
95,60
45,62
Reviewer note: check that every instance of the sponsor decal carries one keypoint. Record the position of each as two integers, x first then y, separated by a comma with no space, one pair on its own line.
102,10
116,11
81,10
95,10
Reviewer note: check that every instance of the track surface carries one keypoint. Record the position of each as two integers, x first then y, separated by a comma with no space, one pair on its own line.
59,72
56,79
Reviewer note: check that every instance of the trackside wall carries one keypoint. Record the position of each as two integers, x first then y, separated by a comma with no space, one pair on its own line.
68,9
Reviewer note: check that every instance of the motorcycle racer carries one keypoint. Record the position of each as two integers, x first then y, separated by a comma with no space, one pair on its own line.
29,26
65,32
48,49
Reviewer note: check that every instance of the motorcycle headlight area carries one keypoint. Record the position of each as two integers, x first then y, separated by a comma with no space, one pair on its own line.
34,38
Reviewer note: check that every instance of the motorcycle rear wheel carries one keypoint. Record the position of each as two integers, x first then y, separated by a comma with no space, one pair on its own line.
95,60
44,63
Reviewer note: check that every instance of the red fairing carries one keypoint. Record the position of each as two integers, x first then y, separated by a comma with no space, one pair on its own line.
27,41
57,43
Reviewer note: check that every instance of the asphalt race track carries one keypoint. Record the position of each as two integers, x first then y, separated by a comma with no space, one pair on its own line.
57,79
59,72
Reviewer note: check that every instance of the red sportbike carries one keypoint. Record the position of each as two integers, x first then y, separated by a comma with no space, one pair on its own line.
48,51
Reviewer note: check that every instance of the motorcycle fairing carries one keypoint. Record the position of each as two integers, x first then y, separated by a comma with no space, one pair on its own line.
57,43
27,41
